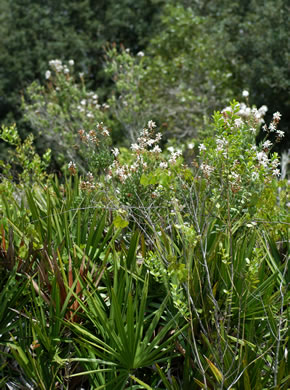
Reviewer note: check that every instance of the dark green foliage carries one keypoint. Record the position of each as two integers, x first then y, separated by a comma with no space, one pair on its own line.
253,37
34,32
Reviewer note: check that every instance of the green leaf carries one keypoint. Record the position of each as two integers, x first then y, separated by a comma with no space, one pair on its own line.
120,223
218,375
144,180
147,387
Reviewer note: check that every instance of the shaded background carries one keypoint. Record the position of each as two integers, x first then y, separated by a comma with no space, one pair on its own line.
252,39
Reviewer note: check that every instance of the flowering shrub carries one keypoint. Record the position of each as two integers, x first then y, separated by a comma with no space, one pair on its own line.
231,174
144,181
62,108
236,172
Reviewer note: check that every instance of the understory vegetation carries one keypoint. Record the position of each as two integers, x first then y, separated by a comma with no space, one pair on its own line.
156,269
144,230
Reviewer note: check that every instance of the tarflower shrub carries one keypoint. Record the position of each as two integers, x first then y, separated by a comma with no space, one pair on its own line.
143,183
61,108
231,173
237,174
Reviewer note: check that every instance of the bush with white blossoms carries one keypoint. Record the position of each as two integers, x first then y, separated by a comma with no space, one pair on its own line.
146,178
60,108
233,175
235,170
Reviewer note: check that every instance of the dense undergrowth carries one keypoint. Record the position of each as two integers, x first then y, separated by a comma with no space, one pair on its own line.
143,268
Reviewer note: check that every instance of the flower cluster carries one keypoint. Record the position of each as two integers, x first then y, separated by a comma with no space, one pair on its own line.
147,144
58,67
201,148
270,165
206,170
174,156
273,127
221,145
232,164
235,181
247,115
94,136
88,184
90,103
72,168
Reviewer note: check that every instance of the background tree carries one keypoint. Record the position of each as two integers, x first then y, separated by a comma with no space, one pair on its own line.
34,32
255,36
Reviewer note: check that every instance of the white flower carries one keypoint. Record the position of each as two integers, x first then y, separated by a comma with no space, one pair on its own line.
158,137
47,74
90,115
83,102
255,175
244,110
71,164
81,74
150,142
267,144
105,133
115,151
65,70
272,127
170,149
90,176
56,64
163,165
252,130
201,147
280,133
71,62
239,122
174,156
190,146
227,109
262,158
275,163
276,172
245,93
257,115
151,125
156,149
221,143
235,176
140,54
206,169
263,109
277,116
135,147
